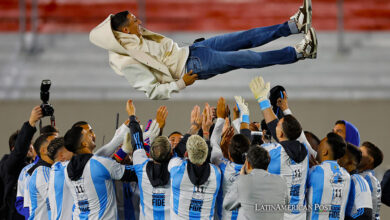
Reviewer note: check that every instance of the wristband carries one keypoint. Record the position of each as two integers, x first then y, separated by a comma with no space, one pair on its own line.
245,119
120,154
264,104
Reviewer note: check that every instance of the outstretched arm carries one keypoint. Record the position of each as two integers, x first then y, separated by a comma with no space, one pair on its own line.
283,105
108,149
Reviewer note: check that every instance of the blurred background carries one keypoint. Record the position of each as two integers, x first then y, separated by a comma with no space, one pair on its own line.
48,39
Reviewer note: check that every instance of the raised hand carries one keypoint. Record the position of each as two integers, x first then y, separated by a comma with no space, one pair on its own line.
283,103
221,108
36,115
207,119
196,120
243,108
130,108
161,116
259,88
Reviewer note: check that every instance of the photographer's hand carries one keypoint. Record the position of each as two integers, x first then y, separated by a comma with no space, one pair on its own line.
36,115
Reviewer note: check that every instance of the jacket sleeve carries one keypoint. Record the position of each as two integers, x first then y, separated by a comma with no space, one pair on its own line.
142,79
108,149
231,200
22,146
215,140
272,128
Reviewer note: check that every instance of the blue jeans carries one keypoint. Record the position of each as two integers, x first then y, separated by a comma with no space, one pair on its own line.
222,53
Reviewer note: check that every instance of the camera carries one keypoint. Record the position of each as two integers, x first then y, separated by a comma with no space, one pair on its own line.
47,109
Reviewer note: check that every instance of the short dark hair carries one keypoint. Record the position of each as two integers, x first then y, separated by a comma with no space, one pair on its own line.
72,139
339,122
79,123
175,132
374,152
54,146
258,157
337,144
239,145
291,127
48,129
39,141
355,152
160,149
275,93
118,20
12,140
312,139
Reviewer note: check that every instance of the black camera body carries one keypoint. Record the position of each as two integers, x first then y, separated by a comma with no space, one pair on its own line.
47,109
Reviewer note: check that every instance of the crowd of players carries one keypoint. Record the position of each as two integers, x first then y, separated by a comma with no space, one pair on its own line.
221,168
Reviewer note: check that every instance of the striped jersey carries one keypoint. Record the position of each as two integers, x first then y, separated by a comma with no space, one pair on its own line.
229,171
38,188
295,175
154,201
376,192
93,194
23,179
328,189
187,200
60,199
359,197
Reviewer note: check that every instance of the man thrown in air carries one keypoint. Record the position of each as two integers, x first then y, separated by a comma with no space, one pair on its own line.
156,65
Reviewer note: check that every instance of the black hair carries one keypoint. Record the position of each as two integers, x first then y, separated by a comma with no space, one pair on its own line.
337,143
12,140
374,152
48,129
79,123
239,145
39,141
54,146
291,127
265,127
118,20
72,139
339,122
355,152
258,157
275,93
175,132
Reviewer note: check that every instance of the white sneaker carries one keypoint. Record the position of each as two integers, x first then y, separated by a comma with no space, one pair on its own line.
303,17
308,46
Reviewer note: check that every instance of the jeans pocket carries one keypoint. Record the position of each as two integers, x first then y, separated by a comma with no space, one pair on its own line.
194,64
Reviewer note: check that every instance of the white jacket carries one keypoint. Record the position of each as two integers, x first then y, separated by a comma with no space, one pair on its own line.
156,70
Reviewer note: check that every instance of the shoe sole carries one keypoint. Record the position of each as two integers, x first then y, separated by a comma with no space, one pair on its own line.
315,43
308,14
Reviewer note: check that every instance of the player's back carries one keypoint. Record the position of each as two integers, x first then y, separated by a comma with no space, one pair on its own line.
93,191
60,199
376,192
359,199
38,185
328,189
187,200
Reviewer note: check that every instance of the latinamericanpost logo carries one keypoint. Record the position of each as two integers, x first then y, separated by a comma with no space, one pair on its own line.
282,208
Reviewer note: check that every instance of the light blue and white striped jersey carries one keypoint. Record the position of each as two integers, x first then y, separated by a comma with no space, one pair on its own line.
22,190
154,201
376,192
189,201
93,194
127,200
229,171
38,188
328,189
60,199
359,196
295,175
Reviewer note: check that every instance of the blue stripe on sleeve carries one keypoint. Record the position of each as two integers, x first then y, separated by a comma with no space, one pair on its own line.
218,183
274,165
317,184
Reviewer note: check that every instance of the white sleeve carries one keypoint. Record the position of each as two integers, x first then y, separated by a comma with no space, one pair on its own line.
174,162
142,79
302,138
237,124
139,156
231,201
115,169
108,149
215,141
